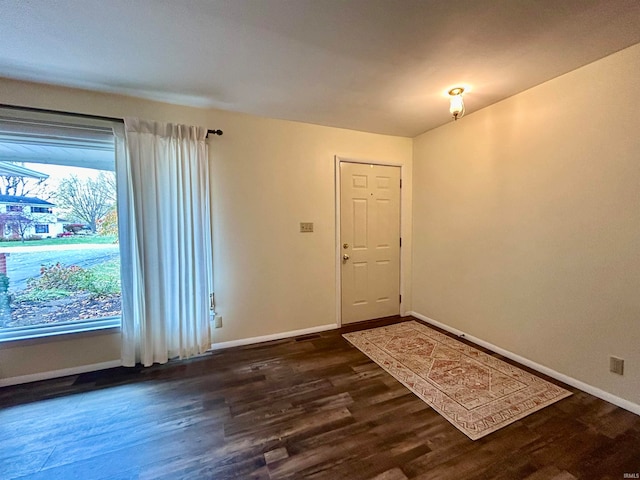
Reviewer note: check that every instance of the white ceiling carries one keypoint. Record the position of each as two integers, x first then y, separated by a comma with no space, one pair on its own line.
373,65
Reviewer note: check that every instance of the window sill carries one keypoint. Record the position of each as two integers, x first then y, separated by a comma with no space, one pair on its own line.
43,333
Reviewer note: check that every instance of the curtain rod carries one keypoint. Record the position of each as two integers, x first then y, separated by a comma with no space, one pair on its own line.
61,112
84,115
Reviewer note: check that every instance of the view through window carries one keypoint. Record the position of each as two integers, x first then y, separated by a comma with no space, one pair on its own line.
59,251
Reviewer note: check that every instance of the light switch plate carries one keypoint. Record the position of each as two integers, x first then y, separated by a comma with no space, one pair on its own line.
306,227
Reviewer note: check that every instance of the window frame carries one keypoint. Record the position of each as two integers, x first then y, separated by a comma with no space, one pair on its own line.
14,334
102,127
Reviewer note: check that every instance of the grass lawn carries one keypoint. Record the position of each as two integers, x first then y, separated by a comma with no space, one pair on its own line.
74,240
106,277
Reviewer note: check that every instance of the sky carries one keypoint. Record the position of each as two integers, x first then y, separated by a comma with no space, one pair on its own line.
58,172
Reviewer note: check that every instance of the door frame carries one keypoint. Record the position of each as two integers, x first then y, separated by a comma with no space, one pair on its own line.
338,252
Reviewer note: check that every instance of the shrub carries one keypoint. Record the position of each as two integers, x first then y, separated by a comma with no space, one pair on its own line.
108,225
73,227
34,237
58,277
5,309
100,280
5,300
4,283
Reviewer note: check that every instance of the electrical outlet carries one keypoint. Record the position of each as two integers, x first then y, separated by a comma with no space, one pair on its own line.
217,321
616,365
306,227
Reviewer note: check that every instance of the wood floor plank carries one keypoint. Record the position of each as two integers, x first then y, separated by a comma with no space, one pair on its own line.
313,407
393,474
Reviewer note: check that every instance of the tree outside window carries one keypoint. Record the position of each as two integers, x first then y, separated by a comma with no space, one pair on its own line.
17,223
89,199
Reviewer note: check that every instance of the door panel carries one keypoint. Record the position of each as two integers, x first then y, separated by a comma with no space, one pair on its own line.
370,229
360,222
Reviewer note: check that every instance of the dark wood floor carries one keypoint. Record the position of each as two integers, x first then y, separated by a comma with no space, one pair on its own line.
310,407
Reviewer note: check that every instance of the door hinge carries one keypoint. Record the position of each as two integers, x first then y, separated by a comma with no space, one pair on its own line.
400,298
400,241
400,183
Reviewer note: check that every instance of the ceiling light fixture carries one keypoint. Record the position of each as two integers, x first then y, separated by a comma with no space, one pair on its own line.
456,106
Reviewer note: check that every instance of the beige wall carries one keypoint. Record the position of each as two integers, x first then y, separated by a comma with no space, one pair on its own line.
526,223
268,175
28,360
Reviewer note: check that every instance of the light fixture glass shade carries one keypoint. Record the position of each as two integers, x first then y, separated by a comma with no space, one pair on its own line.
456,106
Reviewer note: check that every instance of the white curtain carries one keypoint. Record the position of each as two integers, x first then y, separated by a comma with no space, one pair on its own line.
165,235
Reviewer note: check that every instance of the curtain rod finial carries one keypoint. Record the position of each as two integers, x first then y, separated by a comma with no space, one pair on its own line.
214,132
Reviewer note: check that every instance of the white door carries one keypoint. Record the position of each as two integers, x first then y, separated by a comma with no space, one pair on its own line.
369,241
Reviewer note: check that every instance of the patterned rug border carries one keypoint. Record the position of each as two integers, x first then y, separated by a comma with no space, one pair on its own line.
474,422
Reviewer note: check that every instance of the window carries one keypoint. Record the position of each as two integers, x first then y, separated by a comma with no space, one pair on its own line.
41,210
59,257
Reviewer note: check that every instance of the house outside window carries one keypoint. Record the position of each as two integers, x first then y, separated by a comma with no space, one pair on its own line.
14,208
42,228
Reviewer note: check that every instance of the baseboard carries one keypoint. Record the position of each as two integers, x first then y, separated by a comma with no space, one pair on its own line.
64,372
596,392
274,336
35,377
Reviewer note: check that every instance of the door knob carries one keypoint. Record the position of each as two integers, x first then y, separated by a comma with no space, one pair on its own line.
345,257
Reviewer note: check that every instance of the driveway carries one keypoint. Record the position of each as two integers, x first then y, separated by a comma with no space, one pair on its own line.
24,262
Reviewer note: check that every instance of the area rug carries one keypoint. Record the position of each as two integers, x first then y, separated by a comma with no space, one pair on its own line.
476,392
